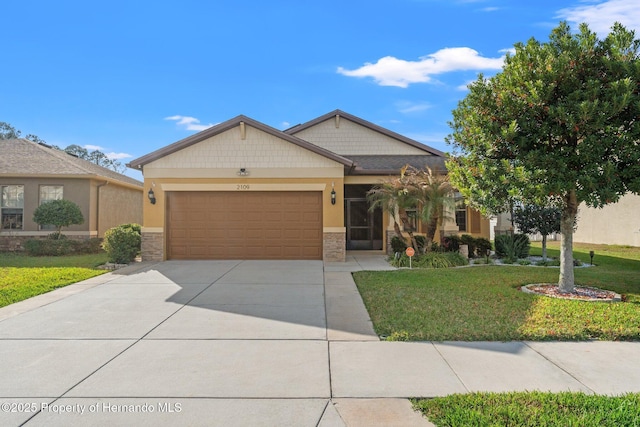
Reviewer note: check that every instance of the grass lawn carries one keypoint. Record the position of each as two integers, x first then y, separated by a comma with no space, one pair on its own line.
23,277
531,409
484,303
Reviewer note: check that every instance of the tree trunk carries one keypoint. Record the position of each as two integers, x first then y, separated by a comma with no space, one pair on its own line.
544,247
566,283
404,217
431,233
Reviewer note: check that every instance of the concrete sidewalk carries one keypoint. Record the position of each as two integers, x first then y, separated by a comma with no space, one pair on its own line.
236,343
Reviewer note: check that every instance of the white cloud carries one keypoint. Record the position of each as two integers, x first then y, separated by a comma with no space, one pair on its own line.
93,147
391,71
190,123
285,125
407,107
490,9
509,50
427,138
601,15
465,86
118,156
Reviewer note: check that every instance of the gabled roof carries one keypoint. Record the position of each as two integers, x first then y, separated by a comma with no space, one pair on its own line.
362,122
21,157
230,124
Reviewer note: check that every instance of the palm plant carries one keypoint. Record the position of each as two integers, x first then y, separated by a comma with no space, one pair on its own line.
433,193
393,195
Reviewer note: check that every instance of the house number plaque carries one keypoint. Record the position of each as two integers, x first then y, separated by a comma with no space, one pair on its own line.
241,187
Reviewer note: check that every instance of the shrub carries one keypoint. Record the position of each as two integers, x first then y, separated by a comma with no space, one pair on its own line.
60,213
451,243
398,244
431,260
421,241
49,247
512,247
122,243
483,246
63,246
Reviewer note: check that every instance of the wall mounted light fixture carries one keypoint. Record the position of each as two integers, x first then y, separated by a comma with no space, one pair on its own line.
152,196
333,193
243,172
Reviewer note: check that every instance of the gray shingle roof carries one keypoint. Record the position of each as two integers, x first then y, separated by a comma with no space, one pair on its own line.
21,157
391,164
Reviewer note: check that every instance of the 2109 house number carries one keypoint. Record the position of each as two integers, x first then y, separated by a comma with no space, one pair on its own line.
242,187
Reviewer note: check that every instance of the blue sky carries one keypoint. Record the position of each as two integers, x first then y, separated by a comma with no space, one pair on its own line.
129,77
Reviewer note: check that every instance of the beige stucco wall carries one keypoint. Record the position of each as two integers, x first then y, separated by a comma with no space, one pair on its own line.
614,224
119,204
351,138
75,190
116,205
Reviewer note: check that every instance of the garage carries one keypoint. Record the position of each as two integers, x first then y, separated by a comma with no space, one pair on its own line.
244,225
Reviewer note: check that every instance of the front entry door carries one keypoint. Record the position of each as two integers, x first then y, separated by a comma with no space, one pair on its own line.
364,228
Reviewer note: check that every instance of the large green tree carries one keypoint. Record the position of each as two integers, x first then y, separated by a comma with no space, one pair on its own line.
559,125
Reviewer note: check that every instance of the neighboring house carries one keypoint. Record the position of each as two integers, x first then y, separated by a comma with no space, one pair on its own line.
32,173
245,190
614,224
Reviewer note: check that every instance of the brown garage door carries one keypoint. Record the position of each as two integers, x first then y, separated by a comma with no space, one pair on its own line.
244,225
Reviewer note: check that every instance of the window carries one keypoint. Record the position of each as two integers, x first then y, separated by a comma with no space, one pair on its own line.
48,193
461,212
413,218
12,207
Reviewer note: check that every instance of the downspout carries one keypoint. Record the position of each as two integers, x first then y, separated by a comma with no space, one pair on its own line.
98,209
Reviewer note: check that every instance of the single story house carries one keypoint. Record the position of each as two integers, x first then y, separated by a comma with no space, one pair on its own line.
245,190
32,173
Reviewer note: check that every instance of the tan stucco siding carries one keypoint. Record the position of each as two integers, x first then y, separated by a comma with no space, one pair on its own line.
614,224
118,205
228,152
333,215
75,190
352,138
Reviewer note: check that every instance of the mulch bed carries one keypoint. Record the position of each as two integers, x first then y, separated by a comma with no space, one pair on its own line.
580,293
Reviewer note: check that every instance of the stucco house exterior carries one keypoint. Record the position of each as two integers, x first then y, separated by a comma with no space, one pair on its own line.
614,224
32,173
245,190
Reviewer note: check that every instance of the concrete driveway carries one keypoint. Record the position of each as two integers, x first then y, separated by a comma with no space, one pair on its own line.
259,343
180,343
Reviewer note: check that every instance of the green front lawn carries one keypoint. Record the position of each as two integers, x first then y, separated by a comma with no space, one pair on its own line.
22,277
484,303
531,409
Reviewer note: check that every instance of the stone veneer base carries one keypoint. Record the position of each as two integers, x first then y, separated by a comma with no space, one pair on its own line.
152,246
334,247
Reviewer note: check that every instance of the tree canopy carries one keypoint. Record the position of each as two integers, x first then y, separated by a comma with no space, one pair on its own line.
533,219
559,125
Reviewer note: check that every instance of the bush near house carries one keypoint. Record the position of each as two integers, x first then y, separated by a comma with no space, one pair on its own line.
59,213
512,247
63,246
122,243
